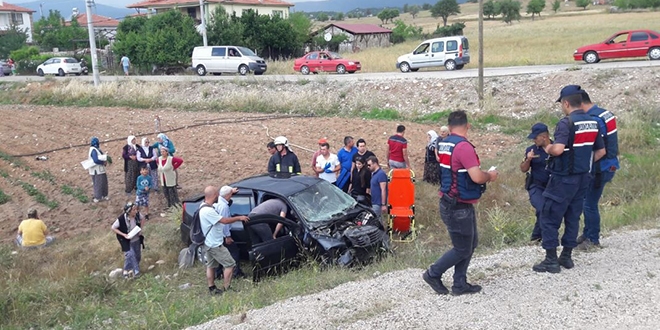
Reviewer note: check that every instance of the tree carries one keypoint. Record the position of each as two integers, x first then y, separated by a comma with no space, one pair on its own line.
223,29
406,8
386,15
13,39
582,3
403,32
510,10
427,6
444,9
322,17
535,7
51,32
339,17
556,6
414,11
490,10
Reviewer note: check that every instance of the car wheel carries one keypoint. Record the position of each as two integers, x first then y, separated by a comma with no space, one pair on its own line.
414,70
450,65
341,69
654,53
201,70
40,73
404,67
61,73
591,57
304,70
460,66
243,69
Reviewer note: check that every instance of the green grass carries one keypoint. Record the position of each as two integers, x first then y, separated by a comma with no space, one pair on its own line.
38,195
44,175
9,158
76,192
4,198
381,114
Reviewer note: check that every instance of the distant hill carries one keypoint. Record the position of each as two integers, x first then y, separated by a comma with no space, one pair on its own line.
345,6
66,8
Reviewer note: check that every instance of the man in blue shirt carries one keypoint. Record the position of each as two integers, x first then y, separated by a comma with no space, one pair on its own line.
378,188
537,175
214,223
345,156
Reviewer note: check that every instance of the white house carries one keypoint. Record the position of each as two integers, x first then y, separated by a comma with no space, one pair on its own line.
12,15
191,7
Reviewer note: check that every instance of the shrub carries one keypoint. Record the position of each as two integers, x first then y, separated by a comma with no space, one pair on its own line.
455,29
403,32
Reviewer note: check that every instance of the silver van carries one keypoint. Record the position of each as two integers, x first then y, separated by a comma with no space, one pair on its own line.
227,59
451,52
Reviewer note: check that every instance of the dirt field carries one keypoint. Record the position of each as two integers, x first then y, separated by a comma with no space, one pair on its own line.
214,154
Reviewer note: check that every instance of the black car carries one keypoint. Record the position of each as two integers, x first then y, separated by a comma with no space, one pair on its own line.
322,222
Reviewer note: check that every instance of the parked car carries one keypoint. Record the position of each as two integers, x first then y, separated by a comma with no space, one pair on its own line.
322,222
60,66
6,69
451,52
632,43
227,59
324,61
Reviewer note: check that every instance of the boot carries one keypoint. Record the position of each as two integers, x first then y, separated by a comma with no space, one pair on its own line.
549,264
565,258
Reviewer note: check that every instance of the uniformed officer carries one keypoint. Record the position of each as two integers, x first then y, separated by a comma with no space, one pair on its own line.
577,144
534,165
283,160
462,185
603,172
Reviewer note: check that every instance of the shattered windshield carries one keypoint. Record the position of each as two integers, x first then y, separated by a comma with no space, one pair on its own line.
321,202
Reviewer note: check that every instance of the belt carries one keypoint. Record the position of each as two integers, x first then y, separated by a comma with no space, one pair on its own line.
453,203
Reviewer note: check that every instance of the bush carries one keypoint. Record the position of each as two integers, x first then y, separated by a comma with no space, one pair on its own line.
27,59
403,32
455,29
24,53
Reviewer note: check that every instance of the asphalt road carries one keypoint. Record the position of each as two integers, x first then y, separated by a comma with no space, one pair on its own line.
435,73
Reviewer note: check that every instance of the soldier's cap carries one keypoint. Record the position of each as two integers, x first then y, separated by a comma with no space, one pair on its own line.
537,129
568,91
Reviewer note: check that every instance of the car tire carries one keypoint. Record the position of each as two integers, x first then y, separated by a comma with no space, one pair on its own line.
304,70
460,66
450,65
341,69
258,73
405,67
243,69
591,57
654,53
40,73
201,70
351,72
414,70
61,73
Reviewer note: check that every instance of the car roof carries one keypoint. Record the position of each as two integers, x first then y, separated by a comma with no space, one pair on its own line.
279,186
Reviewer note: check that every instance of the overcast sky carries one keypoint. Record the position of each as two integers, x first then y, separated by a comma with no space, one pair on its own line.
115,3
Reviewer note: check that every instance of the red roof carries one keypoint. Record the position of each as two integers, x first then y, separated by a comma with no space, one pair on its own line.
360,28
9,7
172,3
98,20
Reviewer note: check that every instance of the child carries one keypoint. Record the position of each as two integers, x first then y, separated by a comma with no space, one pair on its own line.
144,182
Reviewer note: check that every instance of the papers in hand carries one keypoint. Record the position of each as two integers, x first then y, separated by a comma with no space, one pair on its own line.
87,163
136,230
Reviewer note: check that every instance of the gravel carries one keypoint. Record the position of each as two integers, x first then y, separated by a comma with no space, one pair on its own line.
614,287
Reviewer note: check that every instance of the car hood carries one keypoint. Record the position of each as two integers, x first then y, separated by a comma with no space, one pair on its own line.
256,58
403,57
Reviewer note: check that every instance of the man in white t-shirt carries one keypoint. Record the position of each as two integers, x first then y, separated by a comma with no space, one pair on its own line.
327,164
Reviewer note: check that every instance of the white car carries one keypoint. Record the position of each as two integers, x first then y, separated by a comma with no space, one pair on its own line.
451,52
60,66
227,59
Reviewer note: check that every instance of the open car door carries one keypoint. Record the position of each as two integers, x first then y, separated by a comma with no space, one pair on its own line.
273,255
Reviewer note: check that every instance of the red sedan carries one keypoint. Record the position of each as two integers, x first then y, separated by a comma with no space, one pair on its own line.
632,43
324,61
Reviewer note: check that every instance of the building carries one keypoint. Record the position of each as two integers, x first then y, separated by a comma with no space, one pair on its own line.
191,7
104,27
12,15
360,36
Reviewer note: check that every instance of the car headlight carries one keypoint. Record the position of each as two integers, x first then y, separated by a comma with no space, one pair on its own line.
575,52
351,63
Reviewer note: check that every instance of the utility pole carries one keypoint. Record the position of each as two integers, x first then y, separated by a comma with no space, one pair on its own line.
41,9
92,43
480,88
203,14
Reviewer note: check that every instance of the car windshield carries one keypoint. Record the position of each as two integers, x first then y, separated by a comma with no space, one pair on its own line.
321,202
335,56
246,51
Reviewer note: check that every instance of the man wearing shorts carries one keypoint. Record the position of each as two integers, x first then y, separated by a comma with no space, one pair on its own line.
213,225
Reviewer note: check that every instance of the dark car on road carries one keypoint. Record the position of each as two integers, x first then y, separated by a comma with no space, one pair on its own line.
322,222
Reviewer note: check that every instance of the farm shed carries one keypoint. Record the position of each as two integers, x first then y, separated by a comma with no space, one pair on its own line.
360,36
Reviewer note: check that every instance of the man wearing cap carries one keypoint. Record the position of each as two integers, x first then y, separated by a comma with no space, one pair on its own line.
602,171
577,145
537,176
316,155
32,232
284,160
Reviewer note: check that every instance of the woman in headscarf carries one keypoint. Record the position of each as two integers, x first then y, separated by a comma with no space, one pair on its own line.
360,186
97,171
131,167
166,167
164,141
147,157
431,165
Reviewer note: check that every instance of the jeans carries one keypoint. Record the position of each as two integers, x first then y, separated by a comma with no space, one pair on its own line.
536,199
132,257
564,200
461,222
591,213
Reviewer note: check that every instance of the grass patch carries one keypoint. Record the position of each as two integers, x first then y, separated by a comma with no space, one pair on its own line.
436,117
13,160
44,175
76,192
38,195
382,114
4,198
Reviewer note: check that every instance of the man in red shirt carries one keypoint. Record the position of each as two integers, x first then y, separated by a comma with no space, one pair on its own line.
397,149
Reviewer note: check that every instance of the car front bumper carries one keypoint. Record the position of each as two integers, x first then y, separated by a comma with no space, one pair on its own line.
258,67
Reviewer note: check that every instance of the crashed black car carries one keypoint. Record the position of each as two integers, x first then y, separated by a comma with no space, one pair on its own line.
322,222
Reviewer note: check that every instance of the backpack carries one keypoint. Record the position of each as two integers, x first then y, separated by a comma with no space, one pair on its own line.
187,256
197,237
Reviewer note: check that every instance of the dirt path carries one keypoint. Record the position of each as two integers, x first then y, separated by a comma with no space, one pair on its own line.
615,287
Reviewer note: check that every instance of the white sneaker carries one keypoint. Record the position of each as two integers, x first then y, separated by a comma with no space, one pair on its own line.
95,200
106,198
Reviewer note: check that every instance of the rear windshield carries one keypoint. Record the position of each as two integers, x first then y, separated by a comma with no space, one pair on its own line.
466,45
70,60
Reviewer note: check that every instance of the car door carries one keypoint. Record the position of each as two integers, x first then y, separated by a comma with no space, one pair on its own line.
276,254
437,53
638,45
420,56
312,62
48,66
216,62
615,47
233,60
326,62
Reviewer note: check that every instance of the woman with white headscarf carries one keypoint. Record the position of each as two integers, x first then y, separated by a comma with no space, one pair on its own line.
166,167
131,166
431,165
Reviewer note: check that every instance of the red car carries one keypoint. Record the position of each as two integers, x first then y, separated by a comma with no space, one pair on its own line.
324,61
632,43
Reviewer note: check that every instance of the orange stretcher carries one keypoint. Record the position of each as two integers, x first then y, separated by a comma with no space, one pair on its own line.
401,205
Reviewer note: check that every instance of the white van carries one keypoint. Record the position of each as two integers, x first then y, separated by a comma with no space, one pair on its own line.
227,59
451,52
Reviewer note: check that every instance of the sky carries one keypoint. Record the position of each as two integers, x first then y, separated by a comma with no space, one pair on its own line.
81,3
